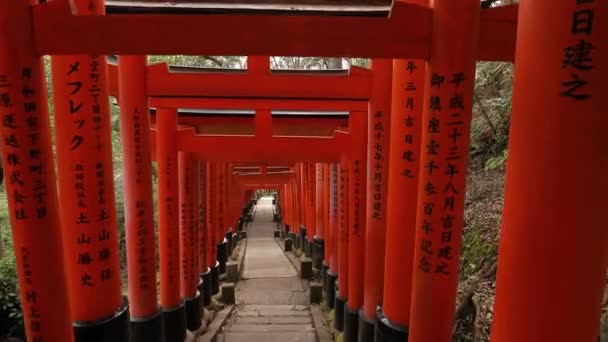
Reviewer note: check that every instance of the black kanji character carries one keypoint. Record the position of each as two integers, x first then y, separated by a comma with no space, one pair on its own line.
578,56
572,86
582,22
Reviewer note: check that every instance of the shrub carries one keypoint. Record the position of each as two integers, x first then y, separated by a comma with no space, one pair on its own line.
11,315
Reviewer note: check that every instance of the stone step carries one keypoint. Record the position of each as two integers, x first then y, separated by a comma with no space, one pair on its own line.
266,328
270,337
273,320
266,313
254,307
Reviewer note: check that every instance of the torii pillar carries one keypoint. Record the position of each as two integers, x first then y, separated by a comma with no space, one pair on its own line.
446,121
379,123
174,314
406,115
343,233
552,258
86,191
357,204
319,206
332,229
31,185
146,319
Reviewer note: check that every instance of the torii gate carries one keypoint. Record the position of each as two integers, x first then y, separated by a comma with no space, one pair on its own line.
247,148
450,35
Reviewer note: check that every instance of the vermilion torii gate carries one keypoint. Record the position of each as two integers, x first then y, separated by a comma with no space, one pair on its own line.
553,241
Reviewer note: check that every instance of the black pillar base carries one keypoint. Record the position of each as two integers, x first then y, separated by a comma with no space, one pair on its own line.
324,270
207,287
151,329
339,313
330,289
388,332
366,328
215,278
351,324
318,251
115,328
175,324
222,255
193,312
229,243
309,247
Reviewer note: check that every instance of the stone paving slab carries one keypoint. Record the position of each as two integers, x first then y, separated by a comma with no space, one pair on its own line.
258,328
264,259
274,320
271,337
254,307
272,291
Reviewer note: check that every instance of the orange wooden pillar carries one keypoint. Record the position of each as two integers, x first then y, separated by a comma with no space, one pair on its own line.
332,229
328,229
344,208
168,225
406,116
27,159
146,320
446,120
189,272
302,242
553,257
356,238
318,249
222,242
212,222
203,236
379,123
311,228
86,191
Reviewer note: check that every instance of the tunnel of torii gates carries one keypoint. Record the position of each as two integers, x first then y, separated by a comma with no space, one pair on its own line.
376,186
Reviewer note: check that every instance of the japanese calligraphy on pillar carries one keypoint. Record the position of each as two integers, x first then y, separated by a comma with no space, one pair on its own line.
357,192
220,211
27,166
442,173
203,227
86,180
343,202
410,120
577,59
333,198
186,222
377,164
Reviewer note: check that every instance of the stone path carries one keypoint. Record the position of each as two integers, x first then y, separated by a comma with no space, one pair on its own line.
273,302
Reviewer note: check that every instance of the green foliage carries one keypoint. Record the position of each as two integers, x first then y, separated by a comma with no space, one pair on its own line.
11,315
476,251
497,163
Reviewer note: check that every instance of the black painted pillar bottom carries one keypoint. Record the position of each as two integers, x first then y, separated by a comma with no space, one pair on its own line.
309,248
229,243
151,329
330,289
207,287
339,312
115,328
324,270
366,328
222,255
175,324
387,331
318,251
193,312
215,278
351,324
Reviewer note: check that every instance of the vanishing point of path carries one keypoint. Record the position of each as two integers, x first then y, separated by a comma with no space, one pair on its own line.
273,302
